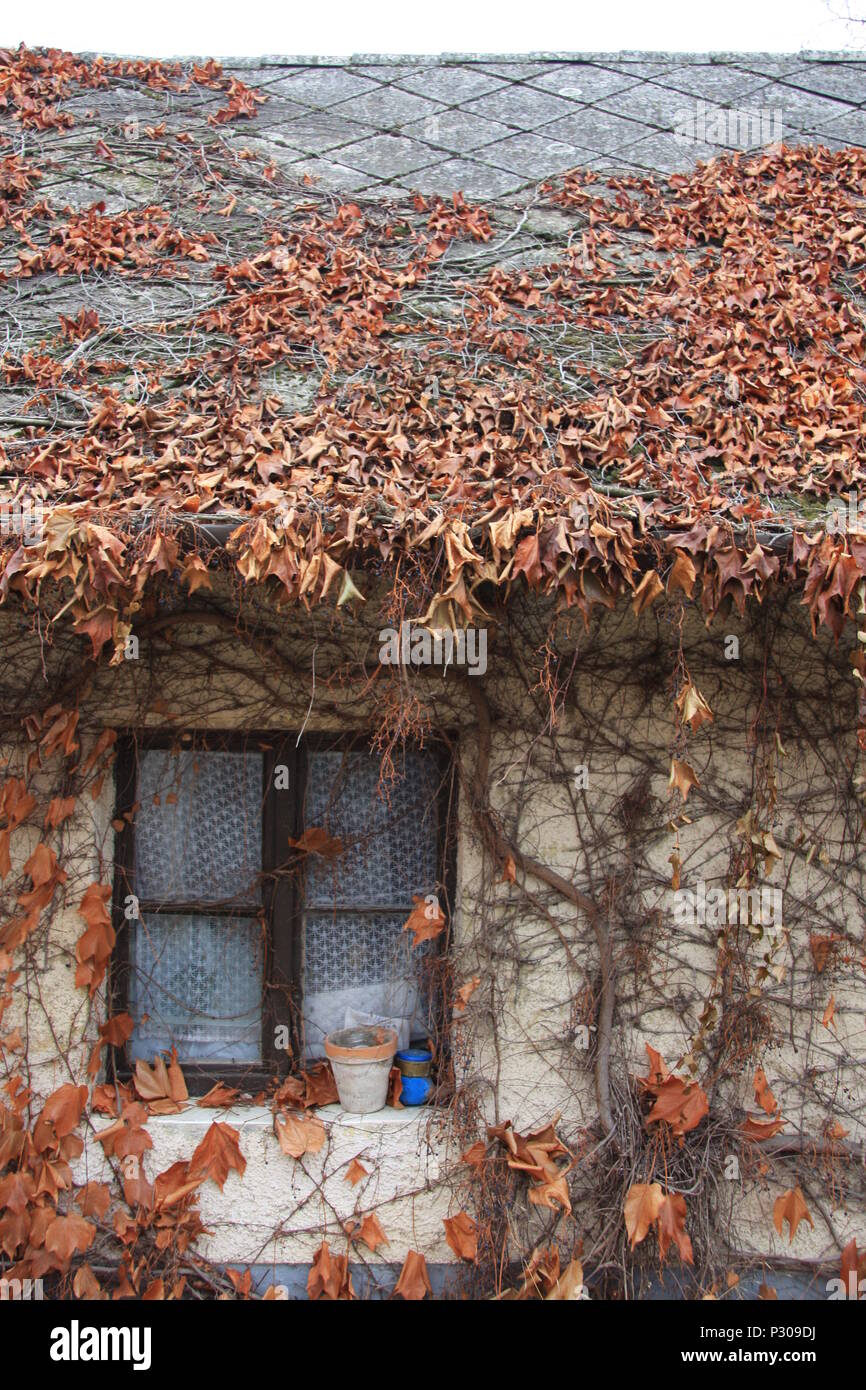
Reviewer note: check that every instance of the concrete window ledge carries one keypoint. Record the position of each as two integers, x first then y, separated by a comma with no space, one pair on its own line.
255,1118
278,1210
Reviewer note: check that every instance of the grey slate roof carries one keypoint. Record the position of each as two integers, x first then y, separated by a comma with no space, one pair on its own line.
494,126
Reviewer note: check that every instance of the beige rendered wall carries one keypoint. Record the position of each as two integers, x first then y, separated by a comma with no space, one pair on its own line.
518,1046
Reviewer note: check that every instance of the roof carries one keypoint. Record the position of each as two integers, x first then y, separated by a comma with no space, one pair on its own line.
591,382
490,126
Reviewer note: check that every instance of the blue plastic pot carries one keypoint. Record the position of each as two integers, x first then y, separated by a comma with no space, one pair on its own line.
414,1064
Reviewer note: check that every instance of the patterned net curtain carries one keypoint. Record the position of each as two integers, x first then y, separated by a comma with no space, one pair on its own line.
197,976
358,962
196,953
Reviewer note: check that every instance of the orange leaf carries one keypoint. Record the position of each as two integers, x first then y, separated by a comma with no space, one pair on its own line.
86,1285
371,1232
760,1129
41,864
791,1207
475,1154
218,1095
60,808
763,1095
426,920
329,1276
414,1281
671,1219
682,777
94,1198
60,1115
316,840
853,1269
682,575
822,947
217,1154
355,1172
461,1233
680,1104
465,993
642,1206
646,592
297,1135
569,1285
94,948
67,1235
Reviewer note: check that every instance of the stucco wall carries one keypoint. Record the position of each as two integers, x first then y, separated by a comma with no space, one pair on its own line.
517,1047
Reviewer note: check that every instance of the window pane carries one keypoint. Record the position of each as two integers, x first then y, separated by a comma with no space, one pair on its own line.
362,962
199,980
205,843
395,856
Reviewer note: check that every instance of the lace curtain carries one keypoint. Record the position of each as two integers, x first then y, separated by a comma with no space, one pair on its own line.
197,978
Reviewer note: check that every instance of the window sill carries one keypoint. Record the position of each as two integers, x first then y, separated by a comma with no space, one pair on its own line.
261,1117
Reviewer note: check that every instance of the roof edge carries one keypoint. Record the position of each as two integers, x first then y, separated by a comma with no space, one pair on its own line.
710,57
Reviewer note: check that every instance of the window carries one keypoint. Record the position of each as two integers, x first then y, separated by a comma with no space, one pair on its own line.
232,942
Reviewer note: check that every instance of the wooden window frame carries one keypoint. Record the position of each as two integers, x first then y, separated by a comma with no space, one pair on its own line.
282,892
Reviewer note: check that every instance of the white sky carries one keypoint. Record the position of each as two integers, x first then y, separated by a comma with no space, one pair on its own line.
251,28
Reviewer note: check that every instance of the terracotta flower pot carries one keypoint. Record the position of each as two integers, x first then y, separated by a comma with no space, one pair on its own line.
361,1059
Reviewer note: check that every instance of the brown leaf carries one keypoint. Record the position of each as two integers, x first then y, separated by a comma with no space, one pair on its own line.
94,1199
414,1281
791,1207
693,708
763,1095
67,1235
465,993
86,1285
218,1096
682,575
760,1129
646,592
371,1232
643,1204
461,1233
671,1219
298,1135
329,1276
682,777
217,1154
426,920
355,1173
569,1287
316,840
822,948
